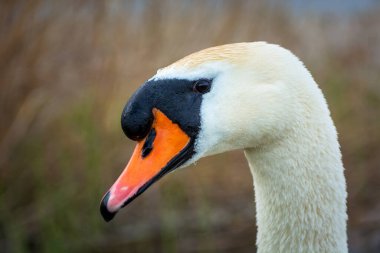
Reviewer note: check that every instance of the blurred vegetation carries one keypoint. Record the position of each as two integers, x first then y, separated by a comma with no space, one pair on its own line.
68,67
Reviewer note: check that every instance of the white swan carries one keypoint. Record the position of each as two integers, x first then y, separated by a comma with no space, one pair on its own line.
253,96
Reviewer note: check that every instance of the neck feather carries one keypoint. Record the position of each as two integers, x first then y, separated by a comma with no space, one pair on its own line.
300,191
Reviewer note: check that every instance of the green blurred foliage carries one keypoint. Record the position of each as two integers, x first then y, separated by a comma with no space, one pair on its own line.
68,67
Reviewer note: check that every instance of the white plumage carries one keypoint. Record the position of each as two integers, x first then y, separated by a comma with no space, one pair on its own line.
264,100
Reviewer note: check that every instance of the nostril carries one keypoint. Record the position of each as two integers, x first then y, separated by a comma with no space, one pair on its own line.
148,145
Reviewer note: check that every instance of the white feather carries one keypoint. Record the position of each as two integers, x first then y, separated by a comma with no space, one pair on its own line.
269,105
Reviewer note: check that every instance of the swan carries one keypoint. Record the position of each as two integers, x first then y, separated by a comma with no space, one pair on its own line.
254,96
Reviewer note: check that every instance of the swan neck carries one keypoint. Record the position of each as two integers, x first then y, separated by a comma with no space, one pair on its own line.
300,192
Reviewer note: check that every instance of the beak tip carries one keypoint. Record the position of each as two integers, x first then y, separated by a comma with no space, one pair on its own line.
106,214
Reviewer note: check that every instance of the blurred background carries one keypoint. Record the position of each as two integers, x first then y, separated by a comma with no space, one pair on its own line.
68,67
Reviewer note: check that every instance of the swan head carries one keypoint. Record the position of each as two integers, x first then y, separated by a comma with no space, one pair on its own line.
228,97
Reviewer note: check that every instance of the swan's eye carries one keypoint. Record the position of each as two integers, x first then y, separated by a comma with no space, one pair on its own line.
202,86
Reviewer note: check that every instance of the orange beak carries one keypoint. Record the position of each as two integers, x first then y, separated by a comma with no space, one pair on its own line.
165,148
